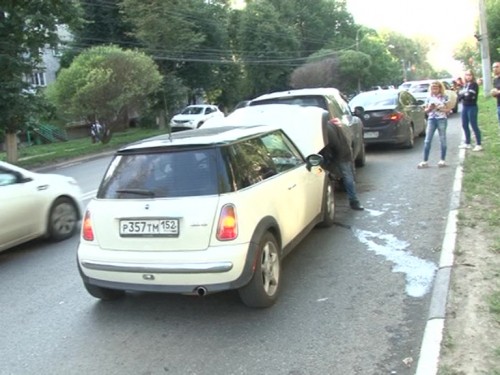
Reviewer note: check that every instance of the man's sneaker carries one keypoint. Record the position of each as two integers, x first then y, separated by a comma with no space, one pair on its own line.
422,164
478,148
466,146
355,205
442,164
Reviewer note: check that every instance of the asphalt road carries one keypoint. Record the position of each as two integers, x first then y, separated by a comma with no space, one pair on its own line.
355,297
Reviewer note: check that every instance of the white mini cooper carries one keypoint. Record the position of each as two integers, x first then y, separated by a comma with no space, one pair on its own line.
206,210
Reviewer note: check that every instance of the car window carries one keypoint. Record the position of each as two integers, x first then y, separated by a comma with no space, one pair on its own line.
420,88
344,107
251,163
161,175
305,101
192,111
7,178
281,150
406,99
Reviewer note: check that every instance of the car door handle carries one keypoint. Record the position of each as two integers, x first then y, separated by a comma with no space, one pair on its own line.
292,187
42,187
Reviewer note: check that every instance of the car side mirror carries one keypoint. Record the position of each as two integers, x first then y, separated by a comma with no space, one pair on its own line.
314,160
359,111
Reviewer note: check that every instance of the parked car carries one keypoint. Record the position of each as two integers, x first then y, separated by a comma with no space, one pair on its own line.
36,205
421,90
205,211
332,101
390,116
193,116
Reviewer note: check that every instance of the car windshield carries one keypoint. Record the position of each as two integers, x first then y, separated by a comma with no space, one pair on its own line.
373,100
192,111
161,175
421,87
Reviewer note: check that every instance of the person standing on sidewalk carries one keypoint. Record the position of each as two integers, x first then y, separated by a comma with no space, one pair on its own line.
469,95
495,91
437,108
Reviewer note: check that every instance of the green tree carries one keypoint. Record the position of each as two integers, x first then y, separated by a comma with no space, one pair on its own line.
268,48
26,27
493,25
105,83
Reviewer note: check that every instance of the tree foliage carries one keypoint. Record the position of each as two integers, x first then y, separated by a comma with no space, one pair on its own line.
493,25
104,83
26,26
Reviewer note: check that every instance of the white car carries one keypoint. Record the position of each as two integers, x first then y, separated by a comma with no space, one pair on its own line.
36,205
421,90
193,116
205,211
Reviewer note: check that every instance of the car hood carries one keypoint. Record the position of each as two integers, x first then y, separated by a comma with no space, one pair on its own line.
304,125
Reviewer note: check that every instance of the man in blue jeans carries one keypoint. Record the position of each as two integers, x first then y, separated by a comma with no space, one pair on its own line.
338,155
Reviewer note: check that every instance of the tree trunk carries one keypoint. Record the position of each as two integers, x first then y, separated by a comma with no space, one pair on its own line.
161,120
11,147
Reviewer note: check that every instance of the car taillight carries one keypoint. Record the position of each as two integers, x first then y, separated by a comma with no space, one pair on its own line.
87,232
227,228
394,116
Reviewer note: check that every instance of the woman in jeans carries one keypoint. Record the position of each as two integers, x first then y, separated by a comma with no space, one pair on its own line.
437,109
468,96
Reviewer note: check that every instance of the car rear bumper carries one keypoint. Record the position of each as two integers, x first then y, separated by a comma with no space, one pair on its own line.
215,269
385,134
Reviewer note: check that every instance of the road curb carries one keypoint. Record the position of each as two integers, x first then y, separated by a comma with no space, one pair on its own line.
433,334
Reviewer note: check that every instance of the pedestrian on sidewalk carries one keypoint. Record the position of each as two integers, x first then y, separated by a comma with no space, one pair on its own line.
469,95
437,108
495,91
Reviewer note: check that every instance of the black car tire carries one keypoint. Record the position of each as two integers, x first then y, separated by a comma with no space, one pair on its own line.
328,205
361,158
103,293
263,288
62,220
410,141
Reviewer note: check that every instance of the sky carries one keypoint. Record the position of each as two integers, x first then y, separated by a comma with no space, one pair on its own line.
447,22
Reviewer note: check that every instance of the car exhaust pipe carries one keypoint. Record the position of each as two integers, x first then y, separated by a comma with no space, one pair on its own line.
201,291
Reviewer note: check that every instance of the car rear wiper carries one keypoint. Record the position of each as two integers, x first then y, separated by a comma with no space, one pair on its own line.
147,193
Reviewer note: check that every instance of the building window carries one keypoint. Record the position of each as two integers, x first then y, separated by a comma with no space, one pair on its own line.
38,79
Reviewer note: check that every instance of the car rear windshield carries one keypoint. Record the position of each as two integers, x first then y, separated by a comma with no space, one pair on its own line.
374,100
161,175
304,101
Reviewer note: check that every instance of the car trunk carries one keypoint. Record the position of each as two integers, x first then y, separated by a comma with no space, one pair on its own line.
145,223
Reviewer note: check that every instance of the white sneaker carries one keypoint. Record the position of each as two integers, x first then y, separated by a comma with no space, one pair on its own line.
442,163
466,146
478,148
422,164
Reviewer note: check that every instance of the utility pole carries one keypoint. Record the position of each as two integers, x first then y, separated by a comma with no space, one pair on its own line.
485,52
357,50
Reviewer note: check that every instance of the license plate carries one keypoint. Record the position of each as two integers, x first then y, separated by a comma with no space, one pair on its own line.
370,135
149,227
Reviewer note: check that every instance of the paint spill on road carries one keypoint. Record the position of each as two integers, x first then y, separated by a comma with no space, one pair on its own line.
419,272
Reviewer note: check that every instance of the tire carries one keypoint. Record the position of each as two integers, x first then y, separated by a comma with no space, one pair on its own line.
62,220
361,159
410,142
103,293
262,290
328,205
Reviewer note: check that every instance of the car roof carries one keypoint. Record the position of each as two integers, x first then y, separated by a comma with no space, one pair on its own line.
299,92
200,137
